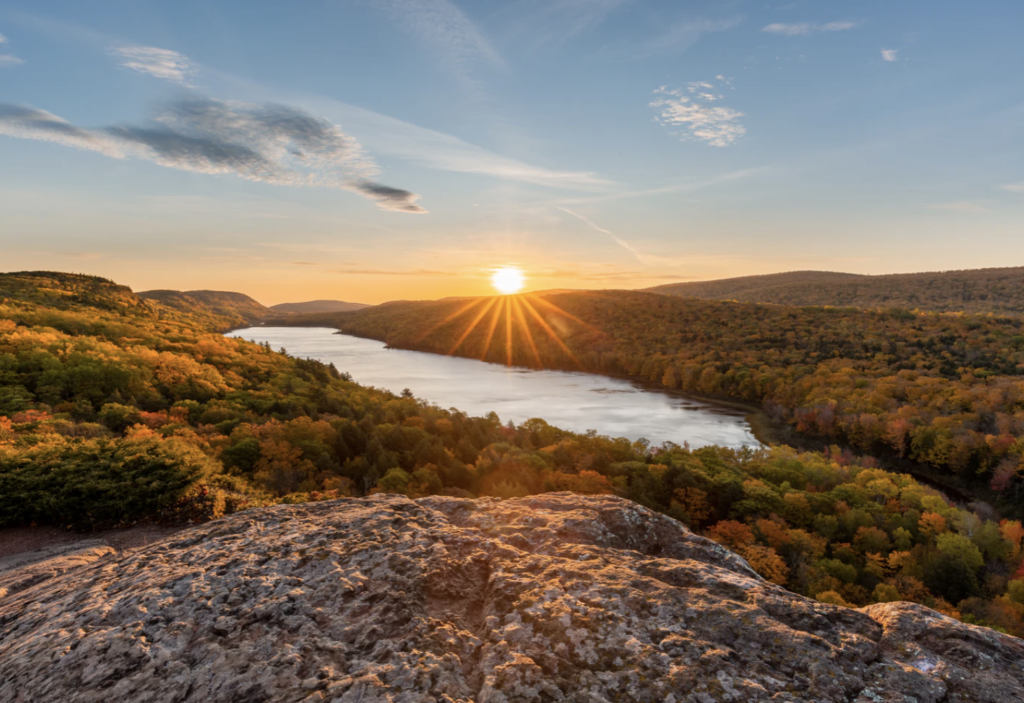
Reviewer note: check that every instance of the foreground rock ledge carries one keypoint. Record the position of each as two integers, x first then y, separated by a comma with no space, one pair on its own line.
555,597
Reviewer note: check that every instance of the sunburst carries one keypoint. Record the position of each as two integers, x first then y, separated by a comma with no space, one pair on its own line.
514,311
508,280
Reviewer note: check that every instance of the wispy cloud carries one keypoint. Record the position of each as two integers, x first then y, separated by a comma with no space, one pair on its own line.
645,259
1013,187
686,187
630,277
8,59
962,206
682,35
357,271
160,63
800,28
386,135
444,29
554,21
889,54
379,133
695,111
387,197
266,143
30,123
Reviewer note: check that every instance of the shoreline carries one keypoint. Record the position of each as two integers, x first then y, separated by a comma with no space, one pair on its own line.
765,430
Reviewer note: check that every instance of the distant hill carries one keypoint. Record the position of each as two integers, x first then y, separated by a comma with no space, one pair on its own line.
64,291
317,306
217,302
49,290
995,290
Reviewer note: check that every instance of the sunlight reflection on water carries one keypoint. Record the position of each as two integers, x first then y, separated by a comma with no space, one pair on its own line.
573,401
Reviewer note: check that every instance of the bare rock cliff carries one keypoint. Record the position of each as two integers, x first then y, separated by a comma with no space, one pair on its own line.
549,598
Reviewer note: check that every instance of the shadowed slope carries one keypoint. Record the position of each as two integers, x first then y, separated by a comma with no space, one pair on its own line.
226,303
317,306
997,290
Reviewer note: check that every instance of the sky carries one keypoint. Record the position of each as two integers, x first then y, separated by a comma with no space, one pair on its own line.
373,150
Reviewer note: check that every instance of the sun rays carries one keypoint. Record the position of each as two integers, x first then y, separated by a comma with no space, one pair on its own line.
472,326
505,322
514,314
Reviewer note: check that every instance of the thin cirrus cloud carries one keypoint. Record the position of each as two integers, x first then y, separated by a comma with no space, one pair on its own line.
357,271
156,62
1013,187
801,28
8,59
694,113
268,143
889,55
681,36
445,30
960,206
437,150
645,259
29,123
538,22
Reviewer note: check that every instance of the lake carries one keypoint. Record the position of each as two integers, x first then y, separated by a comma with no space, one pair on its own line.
572,401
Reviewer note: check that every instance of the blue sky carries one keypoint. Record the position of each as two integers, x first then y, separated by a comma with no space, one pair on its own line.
380,149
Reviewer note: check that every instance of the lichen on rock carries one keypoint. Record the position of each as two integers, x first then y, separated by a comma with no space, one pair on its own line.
555,597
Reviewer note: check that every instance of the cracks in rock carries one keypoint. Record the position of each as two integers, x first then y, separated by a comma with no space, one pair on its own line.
459,593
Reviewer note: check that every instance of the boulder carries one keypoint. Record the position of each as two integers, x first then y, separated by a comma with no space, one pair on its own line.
555,597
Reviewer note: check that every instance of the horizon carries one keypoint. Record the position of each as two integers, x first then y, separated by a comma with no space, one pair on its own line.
508,350
409,148
526,289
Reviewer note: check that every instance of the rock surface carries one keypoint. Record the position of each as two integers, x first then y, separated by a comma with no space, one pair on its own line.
20,571
548,598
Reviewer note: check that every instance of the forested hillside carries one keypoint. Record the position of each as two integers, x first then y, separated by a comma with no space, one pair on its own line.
238,307
944,390
114,409
999,290
317,306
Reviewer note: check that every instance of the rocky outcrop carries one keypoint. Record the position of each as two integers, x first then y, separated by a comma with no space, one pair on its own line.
21,571
548,598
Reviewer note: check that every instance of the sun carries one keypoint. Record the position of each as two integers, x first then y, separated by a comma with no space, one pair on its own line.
508,280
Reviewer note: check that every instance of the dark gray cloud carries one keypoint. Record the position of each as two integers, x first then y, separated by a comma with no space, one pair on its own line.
390,198
267,143
198,153
29,123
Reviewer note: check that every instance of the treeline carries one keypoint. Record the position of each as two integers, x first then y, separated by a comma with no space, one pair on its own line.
108,419
237,307
997,290
939,389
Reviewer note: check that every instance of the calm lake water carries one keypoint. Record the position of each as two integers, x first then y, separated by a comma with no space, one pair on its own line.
572,401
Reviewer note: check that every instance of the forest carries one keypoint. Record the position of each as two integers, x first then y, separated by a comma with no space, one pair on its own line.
236,308
997,290
942,390
115,410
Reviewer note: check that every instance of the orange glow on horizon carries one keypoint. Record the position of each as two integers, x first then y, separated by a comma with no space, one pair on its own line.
508,280
516,309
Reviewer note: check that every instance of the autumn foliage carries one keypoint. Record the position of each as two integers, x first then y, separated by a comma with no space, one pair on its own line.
115,410
946,390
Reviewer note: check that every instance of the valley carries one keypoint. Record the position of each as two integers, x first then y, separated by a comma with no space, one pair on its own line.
573,401
437,351
119,410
